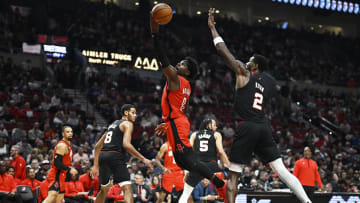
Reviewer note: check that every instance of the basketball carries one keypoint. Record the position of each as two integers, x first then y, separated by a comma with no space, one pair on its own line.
162,13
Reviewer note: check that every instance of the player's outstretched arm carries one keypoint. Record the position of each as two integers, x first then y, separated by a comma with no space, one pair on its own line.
236,65
95,170
160,155
168,70
127,128
219,146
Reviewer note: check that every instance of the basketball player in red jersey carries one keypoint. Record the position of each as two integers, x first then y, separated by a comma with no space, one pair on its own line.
172,173
174,101
60,167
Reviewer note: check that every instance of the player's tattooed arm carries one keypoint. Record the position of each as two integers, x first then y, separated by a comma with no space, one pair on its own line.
159,156
236,65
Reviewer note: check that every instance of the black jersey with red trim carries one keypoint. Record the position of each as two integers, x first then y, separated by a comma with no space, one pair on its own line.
205,145
114,138
250,100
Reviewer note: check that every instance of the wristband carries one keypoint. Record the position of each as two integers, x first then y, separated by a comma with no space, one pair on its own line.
217,40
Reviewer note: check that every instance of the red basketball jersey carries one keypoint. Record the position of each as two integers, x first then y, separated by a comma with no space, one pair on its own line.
169,160
66,159
173,103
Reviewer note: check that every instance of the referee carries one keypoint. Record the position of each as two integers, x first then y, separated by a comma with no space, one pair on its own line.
306,170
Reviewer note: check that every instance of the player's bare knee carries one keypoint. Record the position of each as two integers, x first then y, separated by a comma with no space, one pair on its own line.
231,186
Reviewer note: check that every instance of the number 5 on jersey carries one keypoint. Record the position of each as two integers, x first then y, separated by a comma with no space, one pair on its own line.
204,145
258,100
108,137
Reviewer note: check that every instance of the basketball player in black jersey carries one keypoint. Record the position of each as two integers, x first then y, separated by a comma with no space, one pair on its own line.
207,143
253,89
112,158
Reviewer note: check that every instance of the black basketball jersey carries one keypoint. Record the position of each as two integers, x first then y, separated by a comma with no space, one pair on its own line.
205,145
114,138
250,100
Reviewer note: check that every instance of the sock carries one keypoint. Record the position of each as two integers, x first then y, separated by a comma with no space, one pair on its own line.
186,193
291,181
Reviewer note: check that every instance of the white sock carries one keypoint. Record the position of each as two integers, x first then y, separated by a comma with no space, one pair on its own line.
291,181
186,193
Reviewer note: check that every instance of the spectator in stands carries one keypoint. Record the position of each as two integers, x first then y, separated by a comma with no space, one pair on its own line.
328,188
276,183
116,193
44,168
91,184
204,192
44,189
73,119
228,131
27,111
48,132
142,192
3,131
30,180
4,148
7,186
74,191
55,102
17,96
11,171
155,185
18,163
35,154
306,170
34,133
24,146
80,157
35,165
263,181
254,185
17,133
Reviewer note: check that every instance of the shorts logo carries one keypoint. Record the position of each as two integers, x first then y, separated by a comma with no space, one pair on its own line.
179,147
56,184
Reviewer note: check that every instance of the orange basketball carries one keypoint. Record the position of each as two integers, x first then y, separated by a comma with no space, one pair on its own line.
162,13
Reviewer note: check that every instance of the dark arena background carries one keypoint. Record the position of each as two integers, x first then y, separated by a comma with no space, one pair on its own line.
76,62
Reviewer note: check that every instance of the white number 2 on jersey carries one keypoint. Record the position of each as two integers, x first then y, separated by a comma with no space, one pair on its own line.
258,100
108,137
204,145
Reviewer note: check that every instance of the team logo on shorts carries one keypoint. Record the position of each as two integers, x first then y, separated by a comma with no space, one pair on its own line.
179,147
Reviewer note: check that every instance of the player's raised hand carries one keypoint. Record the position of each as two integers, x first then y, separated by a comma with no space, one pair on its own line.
160,130
154,26
148,163
211,21
94,172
